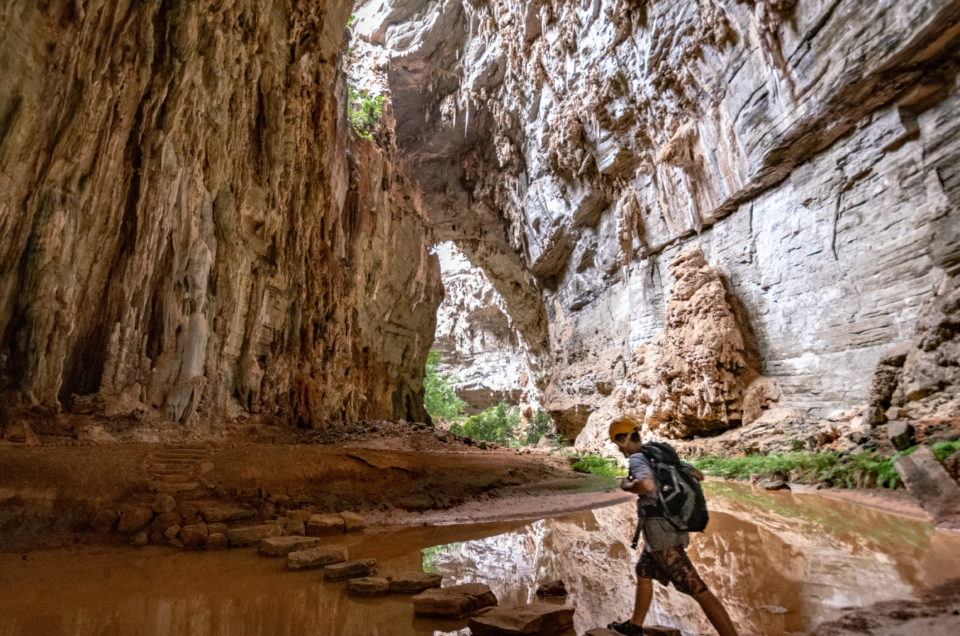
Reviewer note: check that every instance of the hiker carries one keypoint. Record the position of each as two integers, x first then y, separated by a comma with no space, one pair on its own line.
664,555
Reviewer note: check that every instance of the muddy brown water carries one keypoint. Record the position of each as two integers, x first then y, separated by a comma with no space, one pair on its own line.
781,562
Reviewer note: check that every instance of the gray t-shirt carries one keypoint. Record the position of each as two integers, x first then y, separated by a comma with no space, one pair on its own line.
658,534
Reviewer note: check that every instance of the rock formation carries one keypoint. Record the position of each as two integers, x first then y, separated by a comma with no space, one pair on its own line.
479,344
188,225
574,150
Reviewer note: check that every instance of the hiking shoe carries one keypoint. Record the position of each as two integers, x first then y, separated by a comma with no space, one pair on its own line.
626,627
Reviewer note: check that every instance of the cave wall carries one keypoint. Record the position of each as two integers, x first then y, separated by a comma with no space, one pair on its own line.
809,148
188,227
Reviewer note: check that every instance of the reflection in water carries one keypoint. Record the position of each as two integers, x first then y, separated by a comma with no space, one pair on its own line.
780,562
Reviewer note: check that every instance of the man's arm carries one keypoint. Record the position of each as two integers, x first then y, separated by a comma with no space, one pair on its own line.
637,486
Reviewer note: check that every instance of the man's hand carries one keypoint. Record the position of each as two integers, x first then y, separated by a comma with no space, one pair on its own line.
637,486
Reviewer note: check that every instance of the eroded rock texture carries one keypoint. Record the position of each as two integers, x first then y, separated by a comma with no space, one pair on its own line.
575,149
479,344
186,227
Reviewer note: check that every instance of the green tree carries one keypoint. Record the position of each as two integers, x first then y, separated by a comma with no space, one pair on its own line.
539,425
439,391
364,111
496,424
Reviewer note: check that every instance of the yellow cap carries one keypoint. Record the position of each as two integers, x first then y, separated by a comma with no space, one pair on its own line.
622,425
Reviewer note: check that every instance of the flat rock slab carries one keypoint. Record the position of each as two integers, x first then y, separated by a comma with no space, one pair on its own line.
322,525
214,512
648,630
316,557
282,546
253,534
930,483
369,586
413,582
352,522
454,602
349,569
544,619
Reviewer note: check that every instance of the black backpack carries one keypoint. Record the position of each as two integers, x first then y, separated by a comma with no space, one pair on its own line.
680,498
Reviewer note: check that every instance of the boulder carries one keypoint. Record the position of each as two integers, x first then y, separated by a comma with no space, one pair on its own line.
545,619
172,532
104,520
282,546
133,519
194,535
164,503
900,433
217,541
454,602
140,539
249,535
369,586
352,522
322,525
316,557
552,588
933,487
349,569
413,582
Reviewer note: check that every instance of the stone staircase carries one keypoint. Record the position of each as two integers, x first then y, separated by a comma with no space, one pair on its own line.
176,470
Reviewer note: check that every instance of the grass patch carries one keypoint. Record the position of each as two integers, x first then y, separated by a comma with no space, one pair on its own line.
847,471
598,466
942,450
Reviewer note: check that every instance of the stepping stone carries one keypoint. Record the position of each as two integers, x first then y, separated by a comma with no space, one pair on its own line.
545,619
282,546
322,525
349,570
454,602
217,541
413,582
352,522
253,534
368,586
648,630
316,557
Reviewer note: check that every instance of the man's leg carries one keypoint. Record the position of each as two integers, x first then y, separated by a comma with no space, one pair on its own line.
715,612
642,603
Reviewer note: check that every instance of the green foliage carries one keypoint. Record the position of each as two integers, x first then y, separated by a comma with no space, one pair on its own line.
847,471
496,424
539,425
364,111
351,20
598,465
440,394
942,450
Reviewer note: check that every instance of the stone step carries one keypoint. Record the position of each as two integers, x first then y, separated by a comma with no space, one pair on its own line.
316,557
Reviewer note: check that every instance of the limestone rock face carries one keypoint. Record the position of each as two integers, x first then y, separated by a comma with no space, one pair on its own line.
476,337
574,150
187,227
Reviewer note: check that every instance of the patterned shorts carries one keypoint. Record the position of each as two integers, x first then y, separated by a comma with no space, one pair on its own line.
671,565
